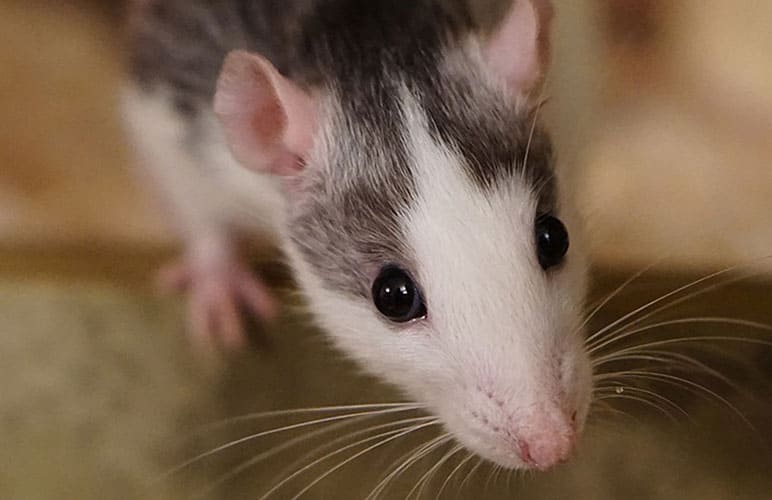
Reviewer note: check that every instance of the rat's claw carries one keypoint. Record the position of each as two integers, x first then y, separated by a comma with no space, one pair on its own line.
217,294
256,296
214,316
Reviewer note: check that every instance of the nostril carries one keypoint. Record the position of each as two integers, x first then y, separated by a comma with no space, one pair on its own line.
573,417
543,451
525,452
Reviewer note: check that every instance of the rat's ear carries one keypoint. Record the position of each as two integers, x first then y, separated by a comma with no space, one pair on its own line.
269,122
518,51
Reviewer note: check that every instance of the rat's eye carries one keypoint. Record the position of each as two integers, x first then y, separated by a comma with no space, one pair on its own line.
396,296
551,241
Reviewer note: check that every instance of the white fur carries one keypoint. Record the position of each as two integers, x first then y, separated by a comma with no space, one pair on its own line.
208,192
504,327
498,357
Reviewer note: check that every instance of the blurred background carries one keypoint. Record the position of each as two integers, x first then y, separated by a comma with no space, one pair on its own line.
663,113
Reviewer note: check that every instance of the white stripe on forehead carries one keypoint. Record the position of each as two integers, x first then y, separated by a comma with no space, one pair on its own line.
474,248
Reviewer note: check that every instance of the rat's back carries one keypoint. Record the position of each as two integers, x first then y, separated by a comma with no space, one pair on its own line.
177,49
181,44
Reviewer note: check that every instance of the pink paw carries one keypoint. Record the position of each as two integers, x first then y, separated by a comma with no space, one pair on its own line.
218,290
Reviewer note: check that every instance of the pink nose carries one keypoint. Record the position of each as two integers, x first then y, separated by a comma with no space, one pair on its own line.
544,449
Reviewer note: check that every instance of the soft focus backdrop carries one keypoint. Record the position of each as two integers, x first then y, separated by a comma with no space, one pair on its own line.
662,110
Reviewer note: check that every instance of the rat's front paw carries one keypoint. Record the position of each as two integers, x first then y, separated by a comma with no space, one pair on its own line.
219,287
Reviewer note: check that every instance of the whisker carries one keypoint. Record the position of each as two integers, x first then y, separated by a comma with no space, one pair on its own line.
684,363
332,444
694,320
686,383
594,408
285,428
394,465
697,293
671,361
391,468
458,467
359,454
530,136
487,484
611,296
672,293
653,394
415,455
642,400
705,338
251,462
429,475
653,356
700,341
291,412
502,470
469,475
329,455
658,355
499,469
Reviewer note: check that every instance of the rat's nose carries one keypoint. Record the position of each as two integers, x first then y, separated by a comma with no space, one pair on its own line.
546,445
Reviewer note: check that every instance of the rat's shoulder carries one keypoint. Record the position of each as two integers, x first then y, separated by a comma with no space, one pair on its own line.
182,43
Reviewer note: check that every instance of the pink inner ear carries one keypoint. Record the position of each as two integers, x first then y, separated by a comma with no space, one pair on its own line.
300,109
269,122
519,50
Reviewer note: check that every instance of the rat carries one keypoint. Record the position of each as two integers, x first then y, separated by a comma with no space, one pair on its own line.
392,149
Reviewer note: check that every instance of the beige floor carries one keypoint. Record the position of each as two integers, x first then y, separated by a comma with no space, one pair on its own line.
101,397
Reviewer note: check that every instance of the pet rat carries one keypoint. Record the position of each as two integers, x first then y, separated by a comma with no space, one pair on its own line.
392,148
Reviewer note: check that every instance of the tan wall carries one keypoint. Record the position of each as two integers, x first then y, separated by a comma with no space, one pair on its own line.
681,164
63,179
670,139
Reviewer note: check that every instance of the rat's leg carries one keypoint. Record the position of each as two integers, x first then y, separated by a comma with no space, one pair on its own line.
211,271
219,285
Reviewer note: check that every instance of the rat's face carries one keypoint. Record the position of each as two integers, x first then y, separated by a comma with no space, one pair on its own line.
426,226
434,248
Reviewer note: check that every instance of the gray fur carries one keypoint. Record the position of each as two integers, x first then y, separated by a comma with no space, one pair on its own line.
494,139
364,53
349,225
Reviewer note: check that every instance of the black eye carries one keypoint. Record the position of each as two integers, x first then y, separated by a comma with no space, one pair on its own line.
551,241
396,296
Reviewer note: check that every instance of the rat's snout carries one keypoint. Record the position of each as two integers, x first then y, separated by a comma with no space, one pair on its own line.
533,417
544,441
537,434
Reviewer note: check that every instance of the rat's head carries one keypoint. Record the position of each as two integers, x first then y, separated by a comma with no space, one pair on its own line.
428,230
